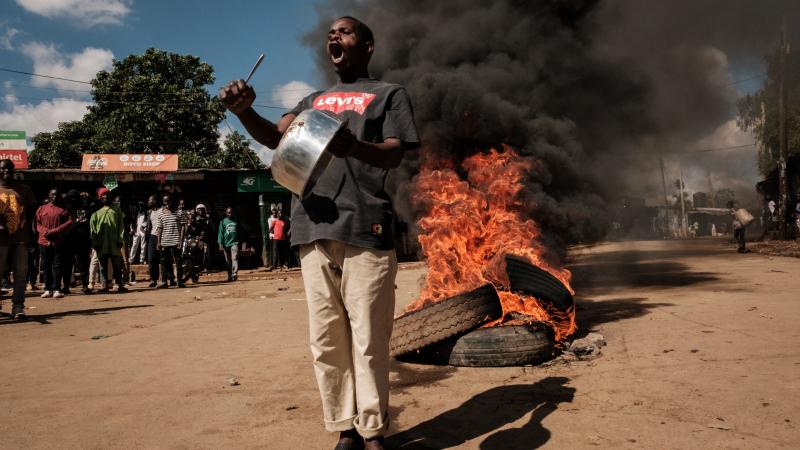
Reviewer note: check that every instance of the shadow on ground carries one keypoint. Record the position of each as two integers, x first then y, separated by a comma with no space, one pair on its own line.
45,319
592,313
605,273
486,413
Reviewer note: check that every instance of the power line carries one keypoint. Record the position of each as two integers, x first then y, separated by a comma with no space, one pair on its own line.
733,147
42,76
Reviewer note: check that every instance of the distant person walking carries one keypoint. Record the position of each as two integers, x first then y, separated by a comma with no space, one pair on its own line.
107,227
52,223
229,236
169,232
278,231
17,209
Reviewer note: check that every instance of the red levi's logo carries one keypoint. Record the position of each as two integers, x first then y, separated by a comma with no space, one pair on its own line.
338,102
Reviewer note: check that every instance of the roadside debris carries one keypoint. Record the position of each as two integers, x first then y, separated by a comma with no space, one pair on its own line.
719,424
291,407
233,381
588,347
101,336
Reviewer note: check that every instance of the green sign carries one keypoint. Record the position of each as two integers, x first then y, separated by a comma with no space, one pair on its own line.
110,182
258,182
12,135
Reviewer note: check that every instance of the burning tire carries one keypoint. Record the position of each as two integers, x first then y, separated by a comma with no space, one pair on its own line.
514,345
531,280
444,319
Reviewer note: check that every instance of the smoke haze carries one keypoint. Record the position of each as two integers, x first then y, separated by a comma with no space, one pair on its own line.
597,90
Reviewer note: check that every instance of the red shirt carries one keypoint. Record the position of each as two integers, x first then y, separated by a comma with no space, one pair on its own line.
54,221
278,232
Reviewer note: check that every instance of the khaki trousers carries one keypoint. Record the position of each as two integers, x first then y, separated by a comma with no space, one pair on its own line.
350,293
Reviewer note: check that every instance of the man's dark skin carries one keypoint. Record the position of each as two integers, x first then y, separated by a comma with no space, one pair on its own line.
54,196
7,180
350,54
229,215
350,58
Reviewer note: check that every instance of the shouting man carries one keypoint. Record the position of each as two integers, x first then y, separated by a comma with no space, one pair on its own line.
344,232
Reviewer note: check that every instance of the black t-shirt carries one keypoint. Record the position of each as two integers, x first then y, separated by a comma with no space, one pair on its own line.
349,203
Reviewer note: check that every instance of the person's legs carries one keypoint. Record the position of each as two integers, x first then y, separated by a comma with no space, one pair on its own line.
4,255
176,257
368,278
67,264
20,266
118,270
234,261
227,253
154,258
135,244
105,277
329,332
275,254
48,254
59,261
83,256
94,269
166,265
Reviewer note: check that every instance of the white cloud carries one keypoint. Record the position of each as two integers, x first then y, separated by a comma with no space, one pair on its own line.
83,12
289,94
7,33
83,66
43,116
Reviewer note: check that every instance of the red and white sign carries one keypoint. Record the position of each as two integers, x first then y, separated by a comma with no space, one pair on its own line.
18,157
338,102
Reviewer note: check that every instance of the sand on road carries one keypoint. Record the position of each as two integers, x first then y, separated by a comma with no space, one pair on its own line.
701,354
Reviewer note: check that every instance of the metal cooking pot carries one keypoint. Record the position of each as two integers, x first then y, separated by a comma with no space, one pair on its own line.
302,155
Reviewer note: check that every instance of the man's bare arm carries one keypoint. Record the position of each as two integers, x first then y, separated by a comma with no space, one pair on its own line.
238,98
262,130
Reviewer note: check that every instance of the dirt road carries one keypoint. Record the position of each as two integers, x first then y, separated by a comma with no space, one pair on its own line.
701,354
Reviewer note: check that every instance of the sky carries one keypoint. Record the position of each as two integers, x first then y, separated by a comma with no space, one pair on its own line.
77,38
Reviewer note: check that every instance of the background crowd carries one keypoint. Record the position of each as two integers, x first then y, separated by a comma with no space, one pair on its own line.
85,241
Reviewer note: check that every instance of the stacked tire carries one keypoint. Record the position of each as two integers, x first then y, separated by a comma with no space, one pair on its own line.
447,332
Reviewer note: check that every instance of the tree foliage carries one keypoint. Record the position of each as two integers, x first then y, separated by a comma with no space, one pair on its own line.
767,131
150,103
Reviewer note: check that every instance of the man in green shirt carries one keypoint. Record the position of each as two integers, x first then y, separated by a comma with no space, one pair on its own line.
230,233
107,228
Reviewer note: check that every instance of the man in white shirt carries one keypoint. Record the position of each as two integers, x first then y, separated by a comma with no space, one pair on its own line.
139,245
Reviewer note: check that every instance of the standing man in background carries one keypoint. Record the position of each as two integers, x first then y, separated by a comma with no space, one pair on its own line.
153,255
139,245
277,230
17,208
52,223
107,226
169,232
229,236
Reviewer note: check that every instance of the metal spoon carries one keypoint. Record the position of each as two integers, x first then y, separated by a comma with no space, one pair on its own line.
253,70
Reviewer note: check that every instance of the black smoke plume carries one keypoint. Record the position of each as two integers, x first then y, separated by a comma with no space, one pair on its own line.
597,90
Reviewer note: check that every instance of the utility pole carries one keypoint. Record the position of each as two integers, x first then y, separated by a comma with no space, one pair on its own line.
684,231
666,199
783,202
710,188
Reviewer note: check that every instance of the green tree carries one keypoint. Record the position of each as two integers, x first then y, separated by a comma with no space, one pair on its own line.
150,103
237,154
766,126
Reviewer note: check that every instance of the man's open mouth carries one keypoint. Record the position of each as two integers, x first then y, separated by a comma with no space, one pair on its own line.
336,51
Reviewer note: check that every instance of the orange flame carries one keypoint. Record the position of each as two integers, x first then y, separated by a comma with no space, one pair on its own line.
470,225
